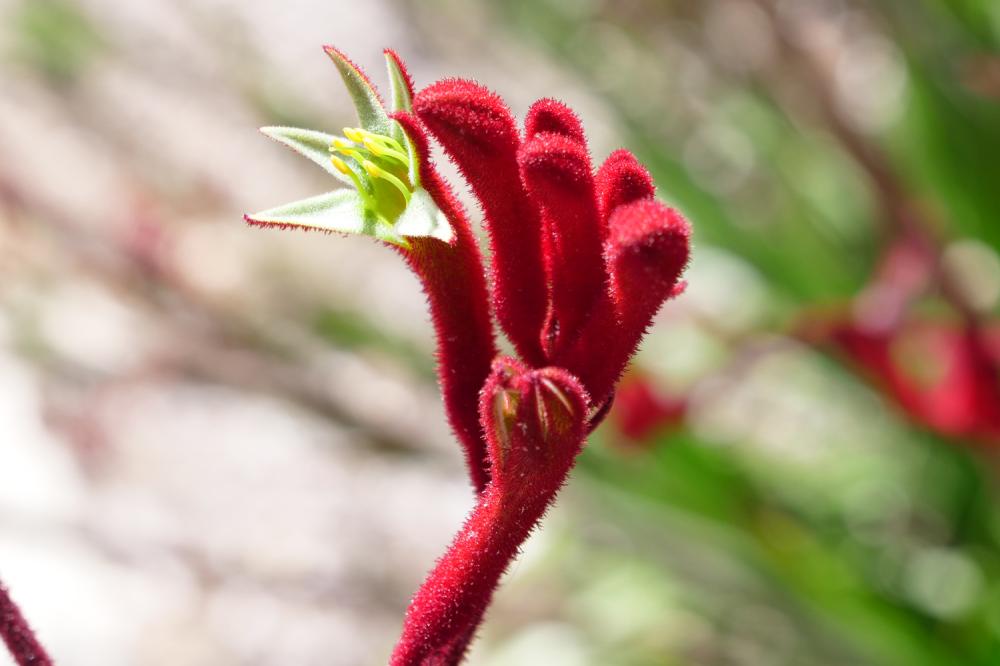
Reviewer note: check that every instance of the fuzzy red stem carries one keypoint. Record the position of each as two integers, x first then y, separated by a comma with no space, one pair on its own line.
453,279
534,420
18,636
454,597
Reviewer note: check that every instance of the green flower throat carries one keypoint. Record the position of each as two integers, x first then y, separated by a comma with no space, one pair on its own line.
379,167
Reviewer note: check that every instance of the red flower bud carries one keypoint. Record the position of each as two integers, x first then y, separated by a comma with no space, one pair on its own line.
647,249
944,378
621,180
554,117
535,421
556,170
478,133
640,409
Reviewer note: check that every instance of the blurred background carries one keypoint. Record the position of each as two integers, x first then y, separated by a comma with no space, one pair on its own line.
223,445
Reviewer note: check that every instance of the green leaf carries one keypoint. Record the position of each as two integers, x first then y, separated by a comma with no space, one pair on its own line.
371,113
422,217
311,144
339,211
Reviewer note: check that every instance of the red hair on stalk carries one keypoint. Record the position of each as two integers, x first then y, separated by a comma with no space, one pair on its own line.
455,285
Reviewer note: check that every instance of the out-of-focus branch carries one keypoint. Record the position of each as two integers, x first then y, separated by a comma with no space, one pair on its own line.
904,216
18,635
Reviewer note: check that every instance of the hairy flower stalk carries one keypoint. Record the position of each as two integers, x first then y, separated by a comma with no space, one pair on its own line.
581,262
18,636
535,420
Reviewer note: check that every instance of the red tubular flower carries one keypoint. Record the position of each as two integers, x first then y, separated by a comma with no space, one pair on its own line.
18,636
581,263
646,251
640,409
535,425
554,117
621,180
477,131
556,169
945,378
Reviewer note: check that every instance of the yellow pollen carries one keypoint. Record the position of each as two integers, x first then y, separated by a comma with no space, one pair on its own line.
383,150
372,169
340,145
341,166
354,134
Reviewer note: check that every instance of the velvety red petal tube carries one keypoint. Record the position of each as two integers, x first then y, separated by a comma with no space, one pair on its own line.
478,133
621,180
556,170
646,251
554,117
17,634
535,425
454,281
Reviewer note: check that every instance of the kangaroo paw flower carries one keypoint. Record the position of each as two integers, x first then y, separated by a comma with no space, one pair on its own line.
581,262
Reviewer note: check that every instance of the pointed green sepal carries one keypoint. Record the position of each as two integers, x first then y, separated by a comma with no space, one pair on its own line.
371,112
313,145
422,217
340,211
402,98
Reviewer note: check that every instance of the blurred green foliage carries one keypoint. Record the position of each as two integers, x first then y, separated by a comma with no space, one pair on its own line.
809,523
54,37
797,516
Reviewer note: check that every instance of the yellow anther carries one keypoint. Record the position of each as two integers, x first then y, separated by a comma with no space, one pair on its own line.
375,171
341,166
340,145
345,148
354,134
373,146
383,140
383,150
